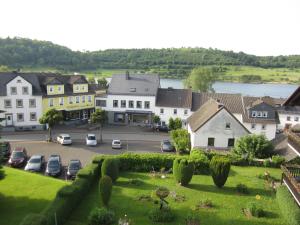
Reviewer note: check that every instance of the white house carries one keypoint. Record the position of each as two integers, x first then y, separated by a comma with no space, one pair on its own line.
21,101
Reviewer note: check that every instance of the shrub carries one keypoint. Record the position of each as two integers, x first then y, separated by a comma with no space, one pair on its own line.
105,188
206,203
200,160
267,163
34,219
91,171
242,188
177,123
220,167
101,216
255,209
183,171
110,168
181,140
161,216
253,146
171,124
288,207
277,160
192,219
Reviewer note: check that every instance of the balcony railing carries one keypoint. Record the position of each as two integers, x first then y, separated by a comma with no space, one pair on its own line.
294,141
291,177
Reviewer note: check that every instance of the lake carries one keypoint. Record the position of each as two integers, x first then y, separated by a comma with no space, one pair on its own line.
273,90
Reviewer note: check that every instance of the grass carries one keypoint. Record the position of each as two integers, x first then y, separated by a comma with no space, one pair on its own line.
227,202
23,192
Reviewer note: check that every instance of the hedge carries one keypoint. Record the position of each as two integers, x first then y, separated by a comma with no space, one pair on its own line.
288,207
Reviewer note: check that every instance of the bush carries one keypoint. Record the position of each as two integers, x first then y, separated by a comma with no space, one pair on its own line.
110,168
161,216
267,163
255,209
171,124
181,140
183,171
253,146
206,203
242,188
105,188
91,171
101,216
220,167
192,219
200,160
34,219
277,160
288,207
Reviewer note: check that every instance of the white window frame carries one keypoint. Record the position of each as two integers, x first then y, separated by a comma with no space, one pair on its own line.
185,112
51,89
227,126
25,92
33,113
13,92
175,111
254,114
18,120
161,110
89,98
51,102
253,126
77,99
70,99
17,105
32,105
10,104
61,101
265,114
83,99
131,104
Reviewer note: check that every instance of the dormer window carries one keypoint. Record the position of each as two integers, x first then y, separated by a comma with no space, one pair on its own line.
259,114
59,88
254,114
265,114
51,89
132,89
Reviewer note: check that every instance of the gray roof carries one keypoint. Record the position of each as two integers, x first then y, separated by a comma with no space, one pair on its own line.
169,97
134,84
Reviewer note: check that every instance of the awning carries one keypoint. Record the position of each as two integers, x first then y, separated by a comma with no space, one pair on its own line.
138,112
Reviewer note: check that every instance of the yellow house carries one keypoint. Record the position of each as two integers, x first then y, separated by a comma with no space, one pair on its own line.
70,94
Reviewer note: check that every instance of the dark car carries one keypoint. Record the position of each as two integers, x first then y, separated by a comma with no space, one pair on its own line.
5,150
166,146
162,127
73,167
18,157
54,166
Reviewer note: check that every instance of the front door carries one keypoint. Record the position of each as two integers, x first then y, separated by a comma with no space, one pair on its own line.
9,119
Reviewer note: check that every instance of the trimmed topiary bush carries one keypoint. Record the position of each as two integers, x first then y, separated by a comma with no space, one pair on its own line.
105,188
101,216
219,167
201,161
288,207
183,171
110,168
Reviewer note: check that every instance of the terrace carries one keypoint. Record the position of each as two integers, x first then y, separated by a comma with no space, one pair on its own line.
291,177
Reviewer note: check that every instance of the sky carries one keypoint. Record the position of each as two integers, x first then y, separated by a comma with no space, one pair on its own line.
260,27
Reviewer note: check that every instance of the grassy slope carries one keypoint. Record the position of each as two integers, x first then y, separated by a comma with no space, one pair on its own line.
23,192
228,203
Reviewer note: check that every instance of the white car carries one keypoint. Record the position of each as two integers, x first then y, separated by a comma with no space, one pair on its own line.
64,139
91,140
116,144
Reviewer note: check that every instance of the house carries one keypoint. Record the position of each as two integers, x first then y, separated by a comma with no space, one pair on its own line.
21,101
130,99
214,126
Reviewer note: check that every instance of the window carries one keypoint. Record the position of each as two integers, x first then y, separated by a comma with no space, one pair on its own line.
211,142
123,103
185,112
115,103
147,105
77,99
263,127
83,99
130,104
20,117
19,81
25,90
139,104
89,98
82,87
19,103
50,102
227,125
101,103
13,90
32,103
50,89
288,118
253,126
70,100
7,103
254,113
33,116
259,114
76,87
61,101
265,114
59,88
161,111
230,142
175,111
296,118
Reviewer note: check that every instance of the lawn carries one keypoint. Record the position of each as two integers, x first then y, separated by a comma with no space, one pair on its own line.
23,192
227,202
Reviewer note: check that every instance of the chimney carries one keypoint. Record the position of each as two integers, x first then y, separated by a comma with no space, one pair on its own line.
127,75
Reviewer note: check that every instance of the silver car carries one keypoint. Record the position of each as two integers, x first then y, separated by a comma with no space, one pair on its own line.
35,163
116,144
64,139
91,140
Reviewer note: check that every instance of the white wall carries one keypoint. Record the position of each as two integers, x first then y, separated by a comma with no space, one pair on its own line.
169,112
216,128
283,119
25,110
269,132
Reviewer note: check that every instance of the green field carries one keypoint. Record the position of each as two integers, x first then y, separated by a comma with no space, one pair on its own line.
227,202
23,192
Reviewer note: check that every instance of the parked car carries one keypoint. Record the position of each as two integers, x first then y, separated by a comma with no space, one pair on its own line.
73,167
35,163
54,166
91,140
5,150
166,146
162,127
18,157
64,139
116,144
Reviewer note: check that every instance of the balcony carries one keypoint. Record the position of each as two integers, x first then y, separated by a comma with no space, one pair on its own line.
291,177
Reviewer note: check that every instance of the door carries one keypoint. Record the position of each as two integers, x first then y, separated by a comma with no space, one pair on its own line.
9,120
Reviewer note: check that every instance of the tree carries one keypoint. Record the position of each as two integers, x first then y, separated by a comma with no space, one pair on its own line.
171,124
253,146
201,79
102,82
91,80
51,117
181,140
156,119
183,171
177,123
219,168
99,117
105,188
